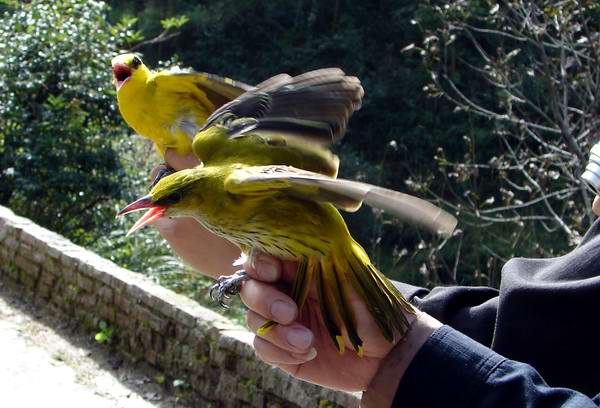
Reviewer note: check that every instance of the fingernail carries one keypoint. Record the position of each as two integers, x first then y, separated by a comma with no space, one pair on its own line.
309,355
282,311
299,338
266,270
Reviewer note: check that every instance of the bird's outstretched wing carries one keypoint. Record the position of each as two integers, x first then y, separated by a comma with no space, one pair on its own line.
347,195
316,106
218,90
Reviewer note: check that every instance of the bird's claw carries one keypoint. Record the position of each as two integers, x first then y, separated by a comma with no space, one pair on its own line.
228,286
164,170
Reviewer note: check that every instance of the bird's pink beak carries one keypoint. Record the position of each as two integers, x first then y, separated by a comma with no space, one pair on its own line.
121,74
154,212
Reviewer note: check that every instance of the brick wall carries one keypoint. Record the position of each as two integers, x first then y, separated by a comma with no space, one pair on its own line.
172,333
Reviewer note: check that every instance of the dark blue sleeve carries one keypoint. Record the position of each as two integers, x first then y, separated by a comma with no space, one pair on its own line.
452,370
543,314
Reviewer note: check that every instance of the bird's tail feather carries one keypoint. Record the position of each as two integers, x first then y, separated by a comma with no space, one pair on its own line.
349,267
326,294
385,303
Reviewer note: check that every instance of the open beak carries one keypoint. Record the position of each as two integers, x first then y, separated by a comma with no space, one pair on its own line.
121,74
154,212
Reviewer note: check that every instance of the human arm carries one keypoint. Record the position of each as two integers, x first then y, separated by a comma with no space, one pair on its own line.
452,369
433,365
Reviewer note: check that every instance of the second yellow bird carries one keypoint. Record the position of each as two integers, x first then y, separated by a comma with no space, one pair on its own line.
169,106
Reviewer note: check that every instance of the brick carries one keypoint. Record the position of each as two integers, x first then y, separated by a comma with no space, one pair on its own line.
25,248
106,311
122,303
44,291
26,237
52,266
26,265
5,253
4,231
124,321
151,356
145,336
88,300
32,254
11,242
47,278
85,283
67,273
106,294
13,272
181,332
157,323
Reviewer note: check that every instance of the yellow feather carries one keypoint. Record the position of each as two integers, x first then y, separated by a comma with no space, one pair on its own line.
169,107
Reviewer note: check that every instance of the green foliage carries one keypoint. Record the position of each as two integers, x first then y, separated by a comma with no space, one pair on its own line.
57,116
123,30
105,334
174,22
181,384
528,71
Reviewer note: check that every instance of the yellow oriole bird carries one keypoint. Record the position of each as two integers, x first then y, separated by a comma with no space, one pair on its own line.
169,106
293,214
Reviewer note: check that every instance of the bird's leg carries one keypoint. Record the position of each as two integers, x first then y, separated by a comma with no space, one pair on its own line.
163,171
227,286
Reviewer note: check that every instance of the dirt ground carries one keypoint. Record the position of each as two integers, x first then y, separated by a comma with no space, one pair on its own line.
47,363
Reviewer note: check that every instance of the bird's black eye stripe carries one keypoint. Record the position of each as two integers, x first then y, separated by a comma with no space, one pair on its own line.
170,199
136,62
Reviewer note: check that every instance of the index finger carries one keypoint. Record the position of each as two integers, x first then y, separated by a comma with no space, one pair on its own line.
268,268
263,267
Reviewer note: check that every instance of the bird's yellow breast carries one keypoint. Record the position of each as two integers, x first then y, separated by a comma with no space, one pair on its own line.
170,119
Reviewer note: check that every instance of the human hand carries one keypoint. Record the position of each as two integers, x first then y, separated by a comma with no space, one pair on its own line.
300,344
596,206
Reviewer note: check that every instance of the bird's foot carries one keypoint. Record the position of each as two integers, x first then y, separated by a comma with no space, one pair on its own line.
163,171
228,286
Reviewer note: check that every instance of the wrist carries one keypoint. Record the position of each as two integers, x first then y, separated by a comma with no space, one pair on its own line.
383,385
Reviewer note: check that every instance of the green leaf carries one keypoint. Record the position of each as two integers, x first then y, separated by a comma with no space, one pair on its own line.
178,383
174,22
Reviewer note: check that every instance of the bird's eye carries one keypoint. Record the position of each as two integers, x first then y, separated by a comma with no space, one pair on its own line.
170,199
136,62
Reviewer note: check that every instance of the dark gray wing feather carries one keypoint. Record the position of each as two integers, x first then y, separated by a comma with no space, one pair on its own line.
315,105
347,195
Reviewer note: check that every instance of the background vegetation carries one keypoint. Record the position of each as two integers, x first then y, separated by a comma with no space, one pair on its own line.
487,108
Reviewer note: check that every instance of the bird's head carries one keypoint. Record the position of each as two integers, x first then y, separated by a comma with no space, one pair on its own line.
127,67
176,195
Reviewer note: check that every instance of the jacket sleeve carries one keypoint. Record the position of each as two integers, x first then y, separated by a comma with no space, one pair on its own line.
452,370
544,314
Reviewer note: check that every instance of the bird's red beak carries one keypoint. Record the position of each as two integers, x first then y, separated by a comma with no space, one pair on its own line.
154,212
121,74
